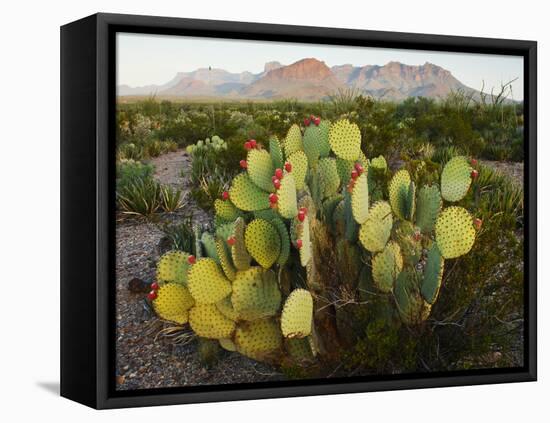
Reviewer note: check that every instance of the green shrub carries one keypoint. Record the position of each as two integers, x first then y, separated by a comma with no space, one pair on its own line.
141,197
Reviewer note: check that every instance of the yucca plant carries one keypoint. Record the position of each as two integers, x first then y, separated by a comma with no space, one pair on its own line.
171,199
141,197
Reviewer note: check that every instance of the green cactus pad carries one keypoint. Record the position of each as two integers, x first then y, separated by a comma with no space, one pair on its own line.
360,199
428,206
239,254
299,163
411,246
329,206
300,350
259,340
222,248
173,303
311,141
246,195
260,169
328,177
173,266
399,193
386,266
256,294
379,164
433,274
410,204
207,322
410,304
300,231
225,210
454,232
324,145
207,283
276,152
345,167
209,244
376,230
225,230
345,139
297,315
227,344
287,204
456,179
226,308
262,242
293,140
285,241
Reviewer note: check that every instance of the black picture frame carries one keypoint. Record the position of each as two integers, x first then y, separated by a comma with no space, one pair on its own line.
87,208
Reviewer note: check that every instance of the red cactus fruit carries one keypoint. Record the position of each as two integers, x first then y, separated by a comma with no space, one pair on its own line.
152,295
474,174
154,286
253,143
192,259
276,183
303,209
473,162
306,122
225,195
359,168
243,164
288,167
301,216
231,240
312,117
279,173
477,223
317,121
247,146
273,198
354,174
299,243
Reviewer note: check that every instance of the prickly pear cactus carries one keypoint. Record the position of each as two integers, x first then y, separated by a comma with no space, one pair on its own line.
297,315
173,303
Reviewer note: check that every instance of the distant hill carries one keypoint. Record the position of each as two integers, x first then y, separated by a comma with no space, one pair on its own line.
309,79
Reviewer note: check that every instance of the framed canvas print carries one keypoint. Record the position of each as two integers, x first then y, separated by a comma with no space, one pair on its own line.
254,211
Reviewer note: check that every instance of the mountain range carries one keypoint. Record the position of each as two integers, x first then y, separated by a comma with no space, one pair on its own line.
308,80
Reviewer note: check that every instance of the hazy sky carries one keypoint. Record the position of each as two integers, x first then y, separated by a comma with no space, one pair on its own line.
144,59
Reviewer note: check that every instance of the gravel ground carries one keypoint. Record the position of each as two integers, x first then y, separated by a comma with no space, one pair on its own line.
143,359
513,169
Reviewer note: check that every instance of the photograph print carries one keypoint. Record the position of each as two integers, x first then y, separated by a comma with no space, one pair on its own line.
291,212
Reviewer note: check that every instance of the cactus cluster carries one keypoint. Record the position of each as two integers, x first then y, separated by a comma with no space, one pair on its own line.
308,215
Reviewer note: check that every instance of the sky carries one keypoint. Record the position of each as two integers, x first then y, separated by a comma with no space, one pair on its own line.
144,59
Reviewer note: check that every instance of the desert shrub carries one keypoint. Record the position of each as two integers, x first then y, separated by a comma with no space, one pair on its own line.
141,197
171,199
127,171
179,236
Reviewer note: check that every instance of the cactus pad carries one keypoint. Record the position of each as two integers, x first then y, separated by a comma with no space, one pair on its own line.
207,322
454,232
225,210
246,195
260,169
240,256
207,284
428,206
345,139
345,167
376,230
324,145
226,308
287,204
259,339
301,231
222,248
227,344
379,164
410,304
433,274
285,241
276,153
173,266
209,244
328,177
360,199
299,163
262,242
173,303
311,141
399,193
386,266
255,294
297,315
293,140
300,350
456,179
